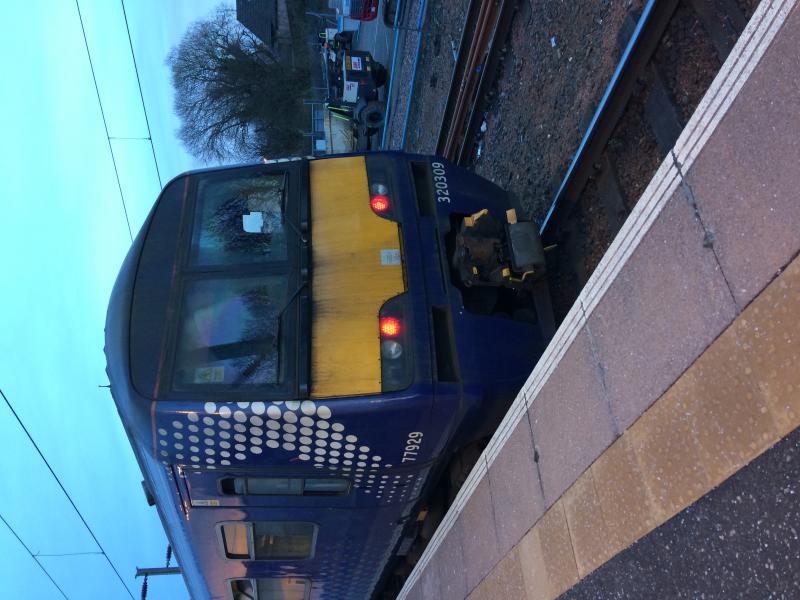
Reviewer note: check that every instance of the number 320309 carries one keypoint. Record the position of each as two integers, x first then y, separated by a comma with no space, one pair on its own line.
440,183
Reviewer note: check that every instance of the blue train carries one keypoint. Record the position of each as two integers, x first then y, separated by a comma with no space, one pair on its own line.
299,350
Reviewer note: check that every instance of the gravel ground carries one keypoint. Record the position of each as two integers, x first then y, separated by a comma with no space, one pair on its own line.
559,58
441,35
687,62
557,62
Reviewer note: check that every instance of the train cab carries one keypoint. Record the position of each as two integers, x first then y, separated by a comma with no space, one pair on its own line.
296,349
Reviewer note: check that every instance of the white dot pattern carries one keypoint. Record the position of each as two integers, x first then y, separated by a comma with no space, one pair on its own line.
302,428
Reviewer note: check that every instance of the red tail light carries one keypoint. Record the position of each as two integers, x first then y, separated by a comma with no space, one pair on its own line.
389,326
380,203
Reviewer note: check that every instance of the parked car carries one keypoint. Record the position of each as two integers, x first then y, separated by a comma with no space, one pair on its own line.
361,10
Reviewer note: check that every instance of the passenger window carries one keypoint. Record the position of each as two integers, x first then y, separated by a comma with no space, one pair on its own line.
240,220
327,486
267,486
282,540
235,537
270,589
283,486
230,333
268,540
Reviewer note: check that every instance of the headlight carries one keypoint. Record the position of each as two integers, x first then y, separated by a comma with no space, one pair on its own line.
394,328
378,189
391,350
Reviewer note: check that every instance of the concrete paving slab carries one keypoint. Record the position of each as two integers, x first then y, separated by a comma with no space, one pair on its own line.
622,492
731,419
660,309
478,535
449,560
745,179
768,336
593,542
667,451
429,584
534,570
516,488
571,420
557,553
415,593
504,582
665,307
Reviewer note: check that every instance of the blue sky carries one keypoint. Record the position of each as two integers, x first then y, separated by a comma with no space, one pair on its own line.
63,236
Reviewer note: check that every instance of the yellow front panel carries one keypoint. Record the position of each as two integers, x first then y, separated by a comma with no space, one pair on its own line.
349,283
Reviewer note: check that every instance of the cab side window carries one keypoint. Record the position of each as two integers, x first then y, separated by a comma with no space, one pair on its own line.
284,486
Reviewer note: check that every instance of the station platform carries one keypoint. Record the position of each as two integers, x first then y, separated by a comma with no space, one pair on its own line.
654,452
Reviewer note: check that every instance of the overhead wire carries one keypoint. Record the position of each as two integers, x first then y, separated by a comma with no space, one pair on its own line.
109,138
66,493
39,554
141,95
105,123
33,556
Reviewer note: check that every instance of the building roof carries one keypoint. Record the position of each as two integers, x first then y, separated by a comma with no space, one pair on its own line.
260,17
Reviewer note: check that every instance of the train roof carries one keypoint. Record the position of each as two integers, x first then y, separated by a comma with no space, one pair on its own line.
134,412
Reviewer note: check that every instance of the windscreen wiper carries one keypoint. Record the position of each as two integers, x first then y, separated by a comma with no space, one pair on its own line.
241,348
291,299
284,196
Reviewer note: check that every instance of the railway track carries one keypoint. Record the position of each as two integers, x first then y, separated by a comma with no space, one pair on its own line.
483,35
638,121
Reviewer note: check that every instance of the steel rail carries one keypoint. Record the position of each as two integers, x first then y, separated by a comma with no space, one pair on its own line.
391,74
457,77
465,94
488,71
638,52
420,20
485,28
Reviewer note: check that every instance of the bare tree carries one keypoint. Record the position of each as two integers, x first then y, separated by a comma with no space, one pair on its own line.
234,98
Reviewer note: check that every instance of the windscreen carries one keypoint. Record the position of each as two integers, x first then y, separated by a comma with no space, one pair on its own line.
230,332
219,292
241,220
